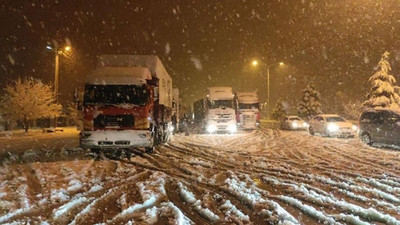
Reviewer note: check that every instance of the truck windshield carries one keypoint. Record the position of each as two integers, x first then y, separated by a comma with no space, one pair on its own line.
221,103
249,106
116,94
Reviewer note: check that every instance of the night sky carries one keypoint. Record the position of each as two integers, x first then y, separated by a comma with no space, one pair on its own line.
335,43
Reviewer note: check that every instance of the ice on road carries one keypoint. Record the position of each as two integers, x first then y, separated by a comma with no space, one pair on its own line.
263,177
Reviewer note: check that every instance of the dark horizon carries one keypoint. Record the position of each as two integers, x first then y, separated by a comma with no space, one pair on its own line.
336,44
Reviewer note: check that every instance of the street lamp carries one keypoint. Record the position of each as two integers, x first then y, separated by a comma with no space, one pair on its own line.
57,52
267,66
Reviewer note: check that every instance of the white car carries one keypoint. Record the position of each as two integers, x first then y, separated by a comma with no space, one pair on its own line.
293,123
331,125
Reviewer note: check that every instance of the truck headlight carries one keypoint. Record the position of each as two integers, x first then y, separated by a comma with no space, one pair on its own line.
333,127
354,127
232,128
171,128
305,124
211,128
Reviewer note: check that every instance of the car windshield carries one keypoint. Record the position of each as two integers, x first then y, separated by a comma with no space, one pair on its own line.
294,118
221,104
115,94
249,106
335,119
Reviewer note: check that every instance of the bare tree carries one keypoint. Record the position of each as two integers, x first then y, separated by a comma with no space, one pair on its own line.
28,99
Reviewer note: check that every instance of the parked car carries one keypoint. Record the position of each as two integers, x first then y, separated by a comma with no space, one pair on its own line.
293,123
331,125
380,126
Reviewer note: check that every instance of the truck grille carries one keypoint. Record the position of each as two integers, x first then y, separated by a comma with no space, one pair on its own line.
224,116
113,121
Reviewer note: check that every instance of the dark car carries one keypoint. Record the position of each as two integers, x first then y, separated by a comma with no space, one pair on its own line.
380,126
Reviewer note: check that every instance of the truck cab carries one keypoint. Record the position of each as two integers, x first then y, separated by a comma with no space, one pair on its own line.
126,106
221,113
248,110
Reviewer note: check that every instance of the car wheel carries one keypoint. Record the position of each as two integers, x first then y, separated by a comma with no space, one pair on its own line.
366,138
311,130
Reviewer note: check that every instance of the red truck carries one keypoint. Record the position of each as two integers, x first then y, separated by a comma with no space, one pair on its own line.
127,104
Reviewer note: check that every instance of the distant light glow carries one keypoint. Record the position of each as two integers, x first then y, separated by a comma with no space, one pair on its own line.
281,63
254,63
49,47
67,48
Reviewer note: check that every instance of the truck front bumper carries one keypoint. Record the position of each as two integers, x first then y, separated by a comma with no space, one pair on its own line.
221,127
109,139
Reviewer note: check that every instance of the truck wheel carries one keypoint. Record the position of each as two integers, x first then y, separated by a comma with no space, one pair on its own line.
95,150
149,149
158,136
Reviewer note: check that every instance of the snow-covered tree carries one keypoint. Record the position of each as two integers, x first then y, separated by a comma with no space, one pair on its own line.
310,102
279,111
382,93
29,99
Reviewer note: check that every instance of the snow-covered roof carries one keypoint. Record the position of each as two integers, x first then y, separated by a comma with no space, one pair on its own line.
154,65
247,97
220,93
152,62
119,75
393,109
329,115
292,117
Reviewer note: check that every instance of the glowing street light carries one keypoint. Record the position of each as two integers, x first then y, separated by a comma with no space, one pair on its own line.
57,52
255,64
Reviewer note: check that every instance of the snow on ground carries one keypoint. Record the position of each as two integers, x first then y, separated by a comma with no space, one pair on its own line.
261,177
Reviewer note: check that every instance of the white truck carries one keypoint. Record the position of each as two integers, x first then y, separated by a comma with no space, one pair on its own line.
217,112
249,110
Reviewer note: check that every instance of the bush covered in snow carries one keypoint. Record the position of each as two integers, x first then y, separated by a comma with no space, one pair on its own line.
382,93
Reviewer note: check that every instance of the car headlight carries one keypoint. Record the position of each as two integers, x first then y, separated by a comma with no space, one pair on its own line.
333,127
232,128
354,127
211,128
171,128
305,124
295,125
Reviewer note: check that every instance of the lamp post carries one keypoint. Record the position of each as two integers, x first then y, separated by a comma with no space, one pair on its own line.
267,66
57,52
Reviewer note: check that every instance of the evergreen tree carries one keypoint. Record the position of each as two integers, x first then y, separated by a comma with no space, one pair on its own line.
279,111
382,93
29,99
310,102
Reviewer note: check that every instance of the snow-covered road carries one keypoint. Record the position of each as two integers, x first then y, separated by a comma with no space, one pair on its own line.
263,177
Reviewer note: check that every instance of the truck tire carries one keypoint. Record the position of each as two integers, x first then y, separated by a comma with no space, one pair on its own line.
158,136
95,150
149,149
